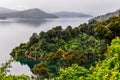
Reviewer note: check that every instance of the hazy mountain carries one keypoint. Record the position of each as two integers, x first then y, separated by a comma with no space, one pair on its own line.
30,13
106,16
6,10
71,14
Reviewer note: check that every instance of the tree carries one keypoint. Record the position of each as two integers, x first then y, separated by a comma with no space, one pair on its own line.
34,38
109,69
74,72
102,32
115,28
41,70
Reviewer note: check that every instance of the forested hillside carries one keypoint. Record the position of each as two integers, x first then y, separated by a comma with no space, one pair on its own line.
107,69
86,52
106,16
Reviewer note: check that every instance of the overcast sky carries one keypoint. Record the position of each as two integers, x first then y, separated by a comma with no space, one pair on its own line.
93,7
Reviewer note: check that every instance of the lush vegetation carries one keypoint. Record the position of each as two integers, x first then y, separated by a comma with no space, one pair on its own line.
84,46
107,69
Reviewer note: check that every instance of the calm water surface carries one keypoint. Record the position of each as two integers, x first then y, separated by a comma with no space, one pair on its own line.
16,31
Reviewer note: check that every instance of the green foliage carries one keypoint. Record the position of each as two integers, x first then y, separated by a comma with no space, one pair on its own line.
60,48
74,72
11,77
108,29
40,70
114,49
102,31
108,69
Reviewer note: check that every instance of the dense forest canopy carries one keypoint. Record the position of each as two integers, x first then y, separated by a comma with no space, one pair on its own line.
87,52
107,69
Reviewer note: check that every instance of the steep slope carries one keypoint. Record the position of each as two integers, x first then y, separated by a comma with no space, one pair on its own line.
71,14
106,16
31,13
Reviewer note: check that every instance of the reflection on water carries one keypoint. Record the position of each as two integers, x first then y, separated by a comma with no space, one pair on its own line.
32,23
38,22
24,61
16,31
28,22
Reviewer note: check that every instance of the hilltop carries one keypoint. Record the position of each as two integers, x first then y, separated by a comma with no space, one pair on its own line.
30,13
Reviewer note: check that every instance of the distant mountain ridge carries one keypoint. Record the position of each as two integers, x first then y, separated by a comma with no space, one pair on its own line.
106,16
71,14
30,13
36,13
6,10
